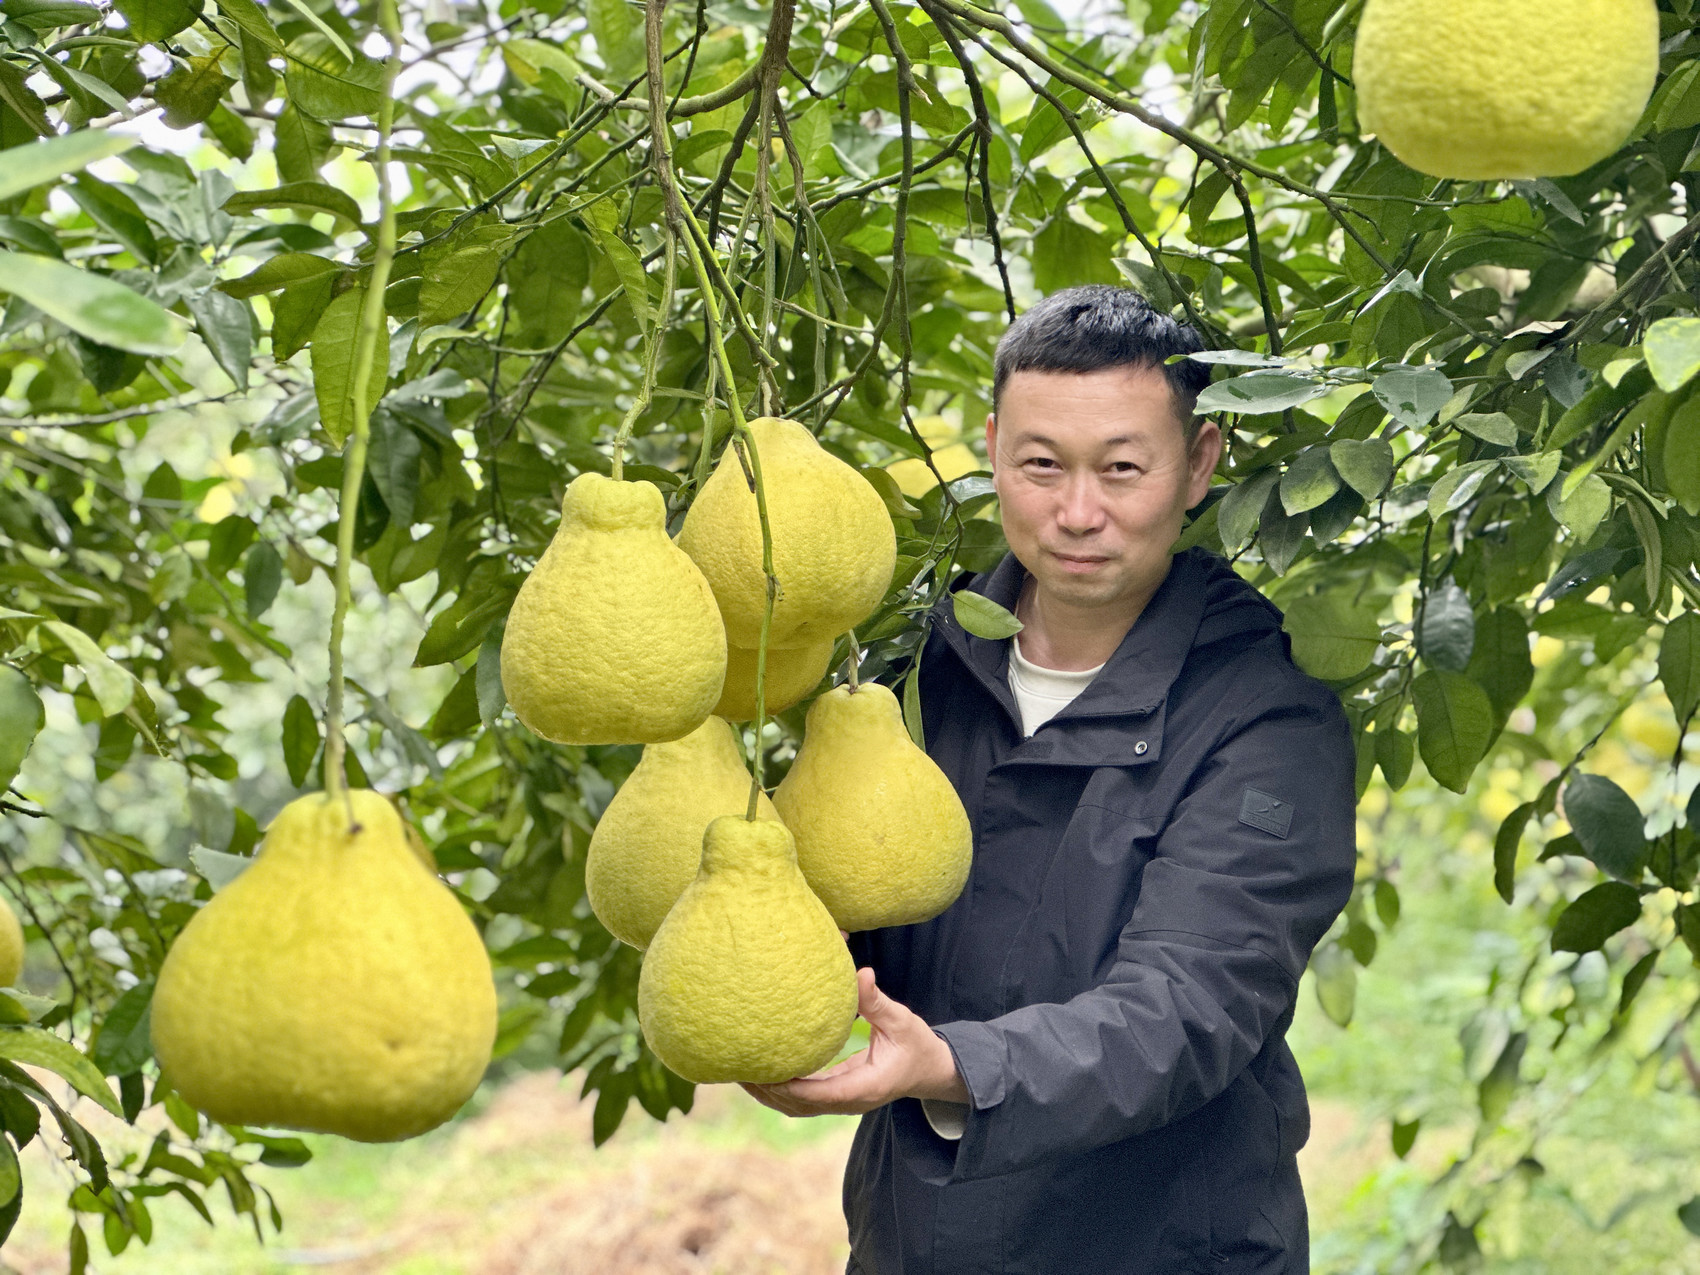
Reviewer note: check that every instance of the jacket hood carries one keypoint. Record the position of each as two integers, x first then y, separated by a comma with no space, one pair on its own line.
1202,602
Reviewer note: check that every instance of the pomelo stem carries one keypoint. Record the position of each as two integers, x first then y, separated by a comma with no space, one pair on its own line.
855,661
652,360
684,226
372,321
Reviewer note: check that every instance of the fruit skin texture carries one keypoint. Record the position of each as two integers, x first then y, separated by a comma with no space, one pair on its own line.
11,946
614,637
336,985
834,548
1482,91
647,846
881,835
747,979
791,674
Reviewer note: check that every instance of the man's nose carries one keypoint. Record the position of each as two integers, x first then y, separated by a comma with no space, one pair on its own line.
1081,511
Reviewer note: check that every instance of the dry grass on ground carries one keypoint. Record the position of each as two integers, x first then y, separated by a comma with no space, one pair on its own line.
518,1190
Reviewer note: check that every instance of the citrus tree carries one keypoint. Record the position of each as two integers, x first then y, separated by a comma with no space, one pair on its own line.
423,265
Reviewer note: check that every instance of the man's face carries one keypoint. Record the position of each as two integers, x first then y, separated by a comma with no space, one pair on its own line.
1094,477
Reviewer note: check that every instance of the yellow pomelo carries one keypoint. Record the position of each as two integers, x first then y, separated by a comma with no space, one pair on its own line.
614,637
915,480
791,674
11,946
336,985
834,548
1483,90
882,837
648,844
747,979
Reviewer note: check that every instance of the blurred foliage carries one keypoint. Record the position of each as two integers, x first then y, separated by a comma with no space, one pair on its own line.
1461,418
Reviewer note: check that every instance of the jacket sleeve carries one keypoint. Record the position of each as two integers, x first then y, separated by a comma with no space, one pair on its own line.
1207,967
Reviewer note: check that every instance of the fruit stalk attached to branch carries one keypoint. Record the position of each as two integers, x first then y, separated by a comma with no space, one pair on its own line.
372,321
682,225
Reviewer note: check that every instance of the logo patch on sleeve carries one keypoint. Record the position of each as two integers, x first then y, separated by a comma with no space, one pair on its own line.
1270,814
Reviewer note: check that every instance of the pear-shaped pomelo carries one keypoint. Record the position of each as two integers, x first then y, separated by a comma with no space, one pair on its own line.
834,548
792,672
1483,90
335,985
747,978
647,846
614,637
881,835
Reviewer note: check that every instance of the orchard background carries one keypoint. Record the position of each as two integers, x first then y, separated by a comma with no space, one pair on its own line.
1463,456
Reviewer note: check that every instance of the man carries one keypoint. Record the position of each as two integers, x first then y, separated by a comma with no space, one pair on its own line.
1081,1067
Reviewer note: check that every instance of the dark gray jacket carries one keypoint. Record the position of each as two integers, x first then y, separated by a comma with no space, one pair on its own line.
1151,870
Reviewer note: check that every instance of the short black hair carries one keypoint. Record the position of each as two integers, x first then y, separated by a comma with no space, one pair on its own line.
1097,326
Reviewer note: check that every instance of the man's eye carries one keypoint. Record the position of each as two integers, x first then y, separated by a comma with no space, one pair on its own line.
1123,467
1042,462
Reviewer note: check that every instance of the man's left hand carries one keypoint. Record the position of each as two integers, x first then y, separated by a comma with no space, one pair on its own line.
905,1058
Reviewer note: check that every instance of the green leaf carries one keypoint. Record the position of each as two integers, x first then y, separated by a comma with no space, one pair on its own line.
457,282
227,327
323,82
619,40
1446,628
334,339
1682,455
982,617
1500,660
11,1183
1536,471
1689,1214
262,577
111,684
1242,508
912,706
37,163
1454,726
1491,427
252,19
1256,393
35,1047
21,718
307,197
300,738
232,132
1395,753
122,1045
281,271
153,21
218,867
1413,396
1499,1086
1309,482
90,304
1457,487
191,93
1336,975
492,699
1335,637
547,278
1404,1137
297,312
110,208
628,268
1609,825
1366,465
1672,349
1593,918
1584,509
1679,664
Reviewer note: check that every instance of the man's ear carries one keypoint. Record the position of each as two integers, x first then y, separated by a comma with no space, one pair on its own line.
992,440
1202,458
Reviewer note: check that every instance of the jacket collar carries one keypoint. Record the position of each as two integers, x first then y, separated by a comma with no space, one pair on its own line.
1118,719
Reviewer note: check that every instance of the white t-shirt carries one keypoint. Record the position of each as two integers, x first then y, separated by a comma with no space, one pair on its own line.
1040,693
